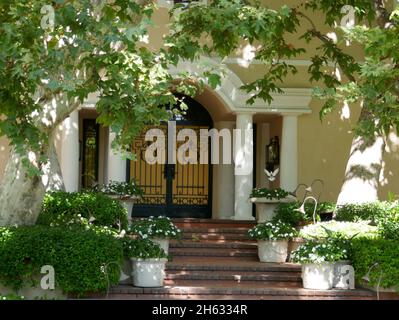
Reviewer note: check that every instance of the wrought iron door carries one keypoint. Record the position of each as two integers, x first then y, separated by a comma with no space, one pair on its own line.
175,190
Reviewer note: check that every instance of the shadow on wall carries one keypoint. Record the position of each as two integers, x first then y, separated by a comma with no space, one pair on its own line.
324,150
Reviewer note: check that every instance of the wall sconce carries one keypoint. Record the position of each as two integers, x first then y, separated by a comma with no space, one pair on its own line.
272,154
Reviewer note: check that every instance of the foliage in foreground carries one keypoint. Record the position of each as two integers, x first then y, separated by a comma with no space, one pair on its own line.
383,255
287,212
142,249
84,261
63,208
347,230
372,211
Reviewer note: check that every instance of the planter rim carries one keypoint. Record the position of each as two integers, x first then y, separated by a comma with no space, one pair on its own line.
153,260
319,264
267,240
289,198
298,239
343,261
123,198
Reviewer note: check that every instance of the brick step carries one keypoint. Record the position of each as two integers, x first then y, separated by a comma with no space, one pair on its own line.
214,244
229,264
214,252
215,288
228,297
239,276
215,236
181,283
212,223
215,230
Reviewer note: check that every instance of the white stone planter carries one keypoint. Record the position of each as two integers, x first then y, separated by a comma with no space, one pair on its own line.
273,250
148,273
318,276
265,207
163,243
127,203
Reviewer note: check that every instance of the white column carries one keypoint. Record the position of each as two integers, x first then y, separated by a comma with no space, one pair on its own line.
223,179
70,152
243,160
289,153
116,164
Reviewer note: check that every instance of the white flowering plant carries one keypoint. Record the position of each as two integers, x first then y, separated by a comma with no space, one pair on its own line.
142,249
155,227
269,193
272,231
329,250
121,189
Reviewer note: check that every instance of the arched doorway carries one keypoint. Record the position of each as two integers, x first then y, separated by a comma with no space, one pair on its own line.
174,190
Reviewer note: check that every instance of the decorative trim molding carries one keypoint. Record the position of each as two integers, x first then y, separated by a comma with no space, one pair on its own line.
292,101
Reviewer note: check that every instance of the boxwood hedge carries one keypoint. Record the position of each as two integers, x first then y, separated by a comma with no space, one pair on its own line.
84,261
382,253
65,207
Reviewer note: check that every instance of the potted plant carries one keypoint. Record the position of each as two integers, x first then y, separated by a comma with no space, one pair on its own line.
158,229
319,262
126,192
266,201
272,240
148,262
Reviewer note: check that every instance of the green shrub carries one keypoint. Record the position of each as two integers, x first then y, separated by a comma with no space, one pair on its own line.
68,208
367,252
286,212
142,249
372,211
388,226
82,259
345,229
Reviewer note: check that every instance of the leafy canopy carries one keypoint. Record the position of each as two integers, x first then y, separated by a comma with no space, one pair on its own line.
223,25
47,69
98,47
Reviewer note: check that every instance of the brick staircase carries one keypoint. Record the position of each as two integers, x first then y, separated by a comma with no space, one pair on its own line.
215,260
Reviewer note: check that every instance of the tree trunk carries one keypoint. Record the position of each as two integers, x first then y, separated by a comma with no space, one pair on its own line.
21,195
363,170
